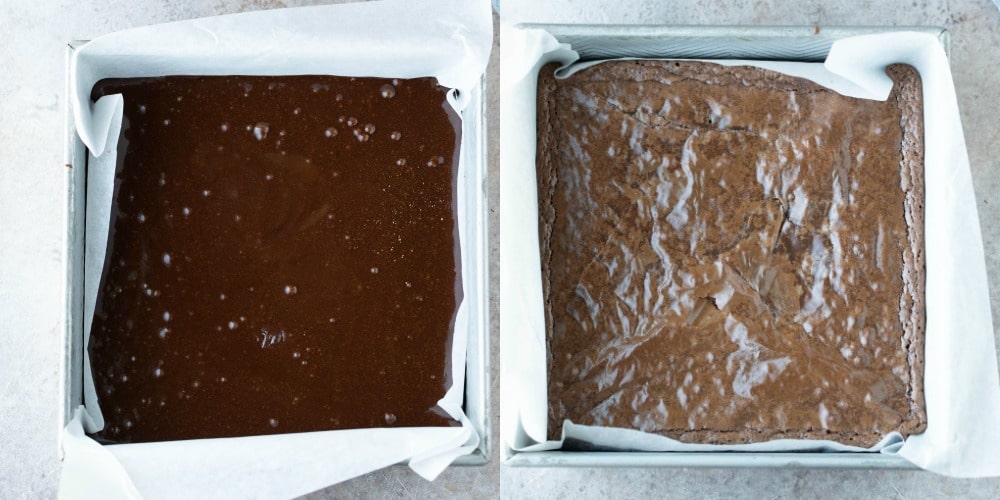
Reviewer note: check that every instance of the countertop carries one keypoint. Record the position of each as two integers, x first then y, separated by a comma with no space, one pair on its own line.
32,221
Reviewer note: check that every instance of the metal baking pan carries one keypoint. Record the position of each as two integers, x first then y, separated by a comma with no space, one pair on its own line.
784,43
477,368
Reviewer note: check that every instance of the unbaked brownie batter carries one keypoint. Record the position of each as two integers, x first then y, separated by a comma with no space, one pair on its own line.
282,258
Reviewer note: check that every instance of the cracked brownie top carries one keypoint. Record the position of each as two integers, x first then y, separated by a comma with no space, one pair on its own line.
730,254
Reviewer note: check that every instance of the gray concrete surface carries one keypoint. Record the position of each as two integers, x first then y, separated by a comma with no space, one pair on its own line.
32,201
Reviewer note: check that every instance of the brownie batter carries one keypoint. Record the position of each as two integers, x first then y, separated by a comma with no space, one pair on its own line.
731,255
282,257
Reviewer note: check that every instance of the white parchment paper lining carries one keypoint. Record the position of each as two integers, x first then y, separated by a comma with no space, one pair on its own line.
960,382
446,39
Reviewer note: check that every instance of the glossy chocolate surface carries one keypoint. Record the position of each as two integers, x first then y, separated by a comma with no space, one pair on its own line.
283,257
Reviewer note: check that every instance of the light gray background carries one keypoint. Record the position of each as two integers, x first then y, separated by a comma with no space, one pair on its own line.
32,221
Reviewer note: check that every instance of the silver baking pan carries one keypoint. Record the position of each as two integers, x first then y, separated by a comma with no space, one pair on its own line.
783,43
477,368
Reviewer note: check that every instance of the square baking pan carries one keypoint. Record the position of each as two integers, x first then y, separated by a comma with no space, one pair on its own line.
477,368
777,43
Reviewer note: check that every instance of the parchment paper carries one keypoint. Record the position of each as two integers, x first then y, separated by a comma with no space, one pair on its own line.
960,380
446,39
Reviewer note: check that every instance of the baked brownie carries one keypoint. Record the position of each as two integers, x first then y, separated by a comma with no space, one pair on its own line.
282,257
730,254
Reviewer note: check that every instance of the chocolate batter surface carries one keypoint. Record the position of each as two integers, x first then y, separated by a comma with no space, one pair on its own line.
730,254
283,257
